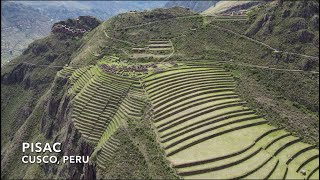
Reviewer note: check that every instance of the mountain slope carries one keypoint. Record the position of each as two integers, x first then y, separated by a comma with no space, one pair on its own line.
31,20
288,26
42,98
225,6
20,25
161,117
197,6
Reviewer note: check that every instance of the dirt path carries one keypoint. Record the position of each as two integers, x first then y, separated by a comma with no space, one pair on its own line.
42,65
262,43
120,40
173,51
153,22
51,66
271,68
183,34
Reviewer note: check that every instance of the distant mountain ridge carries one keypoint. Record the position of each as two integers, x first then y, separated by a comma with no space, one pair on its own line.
197,6
225,6
31,20
20,25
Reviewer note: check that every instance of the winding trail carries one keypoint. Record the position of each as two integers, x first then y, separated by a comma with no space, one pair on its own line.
120,40
173,51
51,66
154,22
124,52
263,44
221,28
184,34
271,68
258,66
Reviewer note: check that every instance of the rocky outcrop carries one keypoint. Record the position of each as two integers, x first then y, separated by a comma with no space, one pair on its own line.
306,9
17,75
297,24
305,36
257,25
287,25
77,26
53,104
73,144
56,124
243,6
36,109
89,21
315,22
267,29
40,49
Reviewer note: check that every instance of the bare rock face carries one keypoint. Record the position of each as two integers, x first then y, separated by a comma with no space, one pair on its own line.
257,25
17,75
316,42
40,49
243,6
56,124
285,13
54,106
267,29
73,144
89,21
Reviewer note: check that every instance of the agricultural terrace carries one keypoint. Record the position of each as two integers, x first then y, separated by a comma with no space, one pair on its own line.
104,99
117,66
156,48
204,128
207,131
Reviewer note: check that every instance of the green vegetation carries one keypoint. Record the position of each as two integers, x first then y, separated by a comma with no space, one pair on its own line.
292,26
285,104
183,117
192,128
104,106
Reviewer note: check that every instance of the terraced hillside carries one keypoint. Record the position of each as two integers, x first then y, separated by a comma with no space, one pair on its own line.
130,109
151,118
157,48
66,71
97,97
208,132
102,103
205,129
159,45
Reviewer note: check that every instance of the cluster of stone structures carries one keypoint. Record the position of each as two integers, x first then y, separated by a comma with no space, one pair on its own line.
142,68
67,30
120,69
235,13
76,27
